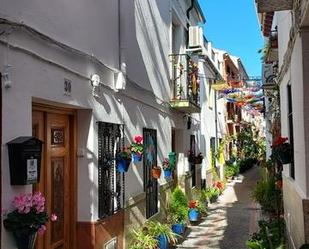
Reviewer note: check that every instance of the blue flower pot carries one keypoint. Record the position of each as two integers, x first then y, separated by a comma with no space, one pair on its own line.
193,214
178,228
163,242
167,173
136,157
122,165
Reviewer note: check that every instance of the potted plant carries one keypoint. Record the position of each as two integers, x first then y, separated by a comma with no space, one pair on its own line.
123,160
178,211
141,239
167,168
137,148
156,172
219,185
282,150
212,194
193,211
172,159
199,158
28,218
162,232
191,156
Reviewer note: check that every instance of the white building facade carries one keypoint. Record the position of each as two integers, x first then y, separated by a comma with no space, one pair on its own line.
49,53
289,21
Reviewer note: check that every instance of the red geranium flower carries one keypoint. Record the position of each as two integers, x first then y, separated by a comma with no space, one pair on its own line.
279,141
138,139
192,204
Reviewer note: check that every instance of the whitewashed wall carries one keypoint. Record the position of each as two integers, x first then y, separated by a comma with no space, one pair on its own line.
39,69
88,25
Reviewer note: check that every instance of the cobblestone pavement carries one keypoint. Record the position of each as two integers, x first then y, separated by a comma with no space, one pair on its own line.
230,221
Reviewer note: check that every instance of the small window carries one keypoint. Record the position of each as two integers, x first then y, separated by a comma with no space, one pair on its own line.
110,182
291,131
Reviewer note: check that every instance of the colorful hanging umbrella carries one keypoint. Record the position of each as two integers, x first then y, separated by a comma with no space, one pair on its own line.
220,85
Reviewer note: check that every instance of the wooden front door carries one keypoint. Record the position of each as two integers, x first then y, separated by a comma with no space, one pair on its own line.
56,177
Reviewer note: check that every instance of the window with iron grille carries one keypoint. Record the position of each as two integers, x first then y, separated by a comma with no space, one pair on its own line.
291,136
192,164
149,161
110,182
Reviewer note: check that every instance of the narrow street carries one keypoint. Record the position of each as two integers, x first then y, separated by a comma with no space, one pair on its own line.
231,220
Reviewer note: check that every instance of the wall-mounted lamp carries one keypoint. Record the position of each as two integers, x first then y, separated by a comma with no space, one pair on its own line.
95,82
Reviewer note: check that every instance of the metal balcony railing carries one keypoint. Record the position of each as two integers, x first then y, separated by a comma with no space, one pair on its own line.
185,83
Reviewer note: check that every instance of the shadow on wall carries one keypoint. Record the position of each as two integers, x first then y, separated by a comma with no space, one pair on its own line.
153,46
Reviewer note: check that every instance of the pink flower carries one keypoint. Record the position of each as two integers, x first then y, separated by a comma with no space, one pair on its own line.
42,230
53,217
138,139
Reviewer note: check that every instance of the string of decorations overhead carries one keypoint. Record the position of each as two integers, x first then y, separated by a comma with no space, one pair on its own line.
247,94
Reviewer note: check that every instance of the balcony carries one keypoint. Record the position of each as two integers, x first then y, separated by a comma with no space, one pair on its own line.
265,6
185,84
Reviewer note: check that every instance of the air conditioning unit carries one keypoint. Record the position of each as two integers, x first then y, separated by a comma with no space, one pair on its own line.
196,39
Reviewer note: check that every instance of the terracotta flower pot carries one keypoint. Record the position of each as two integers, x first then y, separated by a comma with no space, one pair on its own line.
156,172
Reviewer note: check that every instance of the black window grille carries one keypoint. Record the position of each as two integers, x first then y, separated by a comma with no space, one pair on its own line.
110,182
192,164
150,160
291,136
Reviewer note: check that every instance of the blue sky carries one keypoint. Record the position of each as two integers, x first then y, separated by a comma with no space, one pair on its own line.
232,25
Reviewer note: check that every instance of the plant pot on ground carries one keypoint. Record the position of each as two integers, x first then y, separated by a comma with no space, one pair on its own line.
141,239
178,210
163,233
193,213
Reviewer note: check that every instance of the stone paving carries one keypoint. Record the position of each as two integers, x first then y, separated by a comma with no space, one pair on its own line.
230,221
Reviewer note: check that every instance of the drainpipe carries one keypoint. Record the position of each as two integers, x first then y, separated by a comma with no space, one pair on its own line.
188,24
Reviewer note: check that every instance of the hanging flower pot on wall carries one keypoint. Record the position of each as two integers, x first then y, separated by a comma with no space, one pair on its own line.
282,150
167,173
137,149
123,160
156,172
122,165
136,157
198,159
172,159
25,239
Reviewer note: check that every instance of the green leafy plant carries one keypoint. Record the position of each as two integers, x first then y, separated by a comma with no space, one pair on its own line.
29,214
124,154
270,235
281,148
212,194
231,170
178,206
155,229
141,239
166,165
137,145
202,198
268,195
